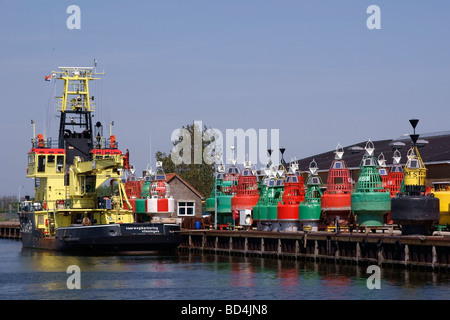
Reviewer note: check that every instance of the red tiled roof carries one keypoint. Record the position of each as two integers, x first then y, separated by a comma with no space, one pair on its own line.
171,176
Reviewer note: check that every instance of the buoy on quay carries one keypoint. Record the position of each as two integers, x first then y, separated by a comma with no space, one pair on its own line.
161,204
394,181
246,195
223,192
383,171
336,200
412,209
274,196
259,211
139,203
293,195
395,175
271,193
310,210
370,202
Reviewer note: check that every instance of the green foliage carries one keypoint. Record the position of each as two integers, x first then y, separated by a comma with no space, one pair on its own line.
105,189
199,176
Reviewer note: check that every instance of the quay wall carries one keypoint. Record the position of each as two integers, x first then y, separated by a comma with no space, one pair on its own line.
10,230
430,252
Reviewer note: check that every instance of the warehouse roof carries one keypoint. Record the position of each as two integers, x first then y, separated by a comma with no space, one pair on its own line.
433,147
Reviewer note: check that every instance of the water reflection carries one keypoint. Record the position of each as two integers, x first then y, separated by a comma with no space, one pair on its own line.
35,274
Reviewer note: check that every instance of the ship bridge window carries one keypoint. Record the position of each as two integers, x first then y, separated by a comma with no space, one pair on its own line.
247,172
50,160
383,172
59,163
41,163
31,158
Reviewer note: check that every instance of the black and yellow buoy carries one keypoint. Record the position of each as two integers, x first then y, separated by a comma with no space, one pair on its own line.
412,209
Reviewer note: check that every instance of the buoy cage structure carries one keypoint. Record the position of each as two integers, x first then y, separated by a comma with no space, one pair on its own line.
336,200
293,195
160,204
246,195
310,210
222,193
369,201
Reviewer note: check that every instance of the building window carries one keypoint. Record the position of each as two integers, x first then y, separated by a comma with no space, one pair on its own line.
186,208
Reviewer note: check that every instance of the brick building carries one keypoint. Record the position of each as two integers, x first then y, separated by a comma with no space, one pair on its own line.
188,201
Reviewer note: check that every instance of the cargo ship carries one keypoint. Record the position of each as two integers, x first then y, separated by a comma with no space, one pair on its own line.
69,213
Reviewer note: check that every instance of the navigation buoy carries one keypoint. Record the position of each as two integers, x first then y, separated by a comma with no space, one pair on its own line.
412,209
370,202
336,200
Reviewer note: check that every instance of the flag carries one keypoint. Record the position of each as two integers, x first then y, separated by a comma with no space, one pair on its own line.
48,78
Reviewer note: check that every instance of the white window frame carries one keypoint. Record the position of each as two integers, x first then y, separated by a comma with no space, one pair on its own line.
185,207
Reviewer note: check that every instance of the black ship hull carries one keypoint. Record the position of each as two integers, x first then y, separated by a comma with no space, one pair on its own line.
160,237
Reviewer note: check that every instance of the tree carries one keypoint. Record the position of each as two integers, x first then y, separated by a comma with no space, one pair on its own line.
198,175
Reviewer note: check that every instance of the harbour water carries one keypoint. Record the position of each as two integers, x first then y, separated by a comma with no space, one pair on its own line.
35,275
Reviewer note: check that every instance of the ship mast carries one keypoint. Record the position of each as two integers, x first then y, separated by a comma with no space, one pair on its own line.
76,107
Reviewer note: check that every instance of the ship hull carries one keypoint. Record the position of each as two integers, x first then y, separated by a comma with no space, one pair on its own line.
158,237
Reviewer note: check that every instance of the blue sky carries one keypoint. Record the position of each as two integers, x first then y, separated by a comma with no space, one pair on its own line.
311,69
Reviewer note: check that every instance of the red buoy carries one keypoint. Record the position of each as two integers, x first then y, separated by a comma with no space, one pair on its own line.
336,200
246,192
293,195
